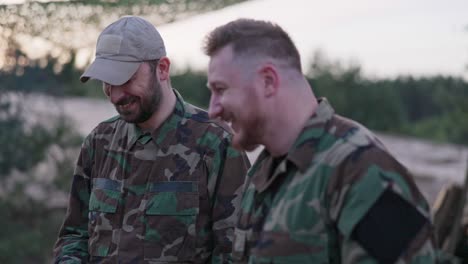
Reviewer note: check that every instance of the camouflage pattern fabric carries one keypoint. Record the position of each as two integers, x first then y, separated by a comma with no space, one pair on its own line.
305,207
169,196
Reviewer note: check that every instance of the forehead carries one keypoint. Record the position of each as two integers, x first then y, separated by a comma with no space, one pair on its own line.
222,65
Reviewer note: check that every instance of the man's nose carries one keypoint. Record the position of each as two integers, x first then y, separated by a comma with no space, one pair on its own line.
215,109
116,93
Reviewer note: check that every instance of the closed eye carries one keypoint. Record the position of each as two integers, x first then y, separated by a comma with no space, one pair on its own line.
219,90
216,87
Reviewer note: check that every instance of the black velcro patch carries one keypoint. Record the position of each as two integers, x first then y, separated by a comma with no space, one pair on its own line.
388,227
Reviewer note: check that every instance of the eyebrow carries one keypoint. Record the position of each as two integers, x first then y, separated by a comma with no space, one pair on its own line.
210,85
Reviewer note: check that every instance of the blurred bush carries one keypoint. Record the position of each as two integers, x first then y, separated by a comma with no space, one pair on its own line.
36,165
39,148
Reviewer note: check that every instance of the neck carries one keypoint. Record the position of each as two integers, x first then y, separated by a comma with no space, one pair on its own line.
292,109
166,107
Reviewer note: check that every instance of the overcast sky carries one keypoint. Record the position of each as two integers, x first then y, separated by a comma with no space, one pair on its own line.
386,37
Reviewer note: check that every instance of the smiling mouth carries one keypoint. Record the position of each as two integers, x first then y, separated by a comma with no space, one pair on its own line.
231,123
125,104
227,120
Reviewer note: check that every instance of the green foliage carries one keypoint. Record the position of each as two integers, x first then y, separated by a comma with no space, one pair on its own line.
28,148
30,224
192,86
47,76
358,98
434,108
29,232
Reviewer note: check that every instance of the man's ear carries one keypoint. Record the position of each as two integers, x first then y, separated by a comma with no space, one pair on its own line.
270,79
163,69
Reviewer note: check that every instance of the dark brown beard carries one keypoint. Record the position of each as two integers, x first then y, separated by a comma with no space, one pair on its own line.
147,107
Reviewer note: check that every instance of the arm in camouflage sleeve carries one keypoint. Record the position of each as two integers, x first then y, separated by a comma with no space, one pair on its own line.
379,212
229,170
72,242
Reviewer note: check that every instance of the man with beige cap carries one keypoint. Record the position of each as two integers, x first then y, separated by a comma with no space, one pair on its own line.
159,182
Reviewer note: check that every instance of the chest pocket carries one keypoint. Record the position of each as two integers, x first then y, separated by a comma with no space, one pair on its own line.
170,224
103,202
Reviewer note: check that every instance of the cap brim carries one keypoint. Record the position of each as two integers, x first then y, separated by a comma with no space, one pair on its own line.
110,71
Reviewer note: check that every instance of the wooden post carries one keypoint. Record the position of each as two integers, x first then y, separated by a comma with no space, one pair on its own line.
456,232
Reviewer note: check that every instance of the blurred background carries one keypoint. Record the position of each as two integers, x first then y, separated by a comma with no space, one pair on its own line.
398,67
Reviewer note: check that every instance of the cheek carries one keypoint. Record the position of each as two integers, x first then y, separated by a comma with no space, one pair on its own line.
234,99
250,102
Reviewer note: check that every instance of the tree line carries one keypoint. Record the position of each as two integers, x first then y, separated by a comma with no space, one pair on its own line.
432,107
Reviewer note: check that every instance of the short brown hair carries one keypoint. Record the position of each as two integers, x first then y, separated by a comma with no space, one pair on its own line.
249,37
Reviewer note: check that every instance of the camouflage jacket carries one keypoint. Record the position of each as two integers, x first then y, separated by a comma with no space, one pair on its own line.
172,195
337,197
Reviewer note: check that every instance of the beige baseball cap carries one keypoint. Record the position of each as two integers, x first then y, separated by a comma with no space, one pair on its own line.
121,48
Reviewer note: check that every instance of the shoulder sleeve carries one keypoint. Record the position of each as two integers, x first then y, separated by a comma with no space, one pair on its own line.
379,210
72,243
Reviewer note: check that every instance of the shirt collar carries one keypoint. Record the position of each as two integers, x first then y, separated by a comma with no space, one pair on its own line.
305,144
163,132
300,153
166,132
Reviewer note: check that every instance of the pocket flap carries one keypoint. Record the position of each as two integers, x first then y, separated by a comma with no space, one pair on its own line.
173,198
105,195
